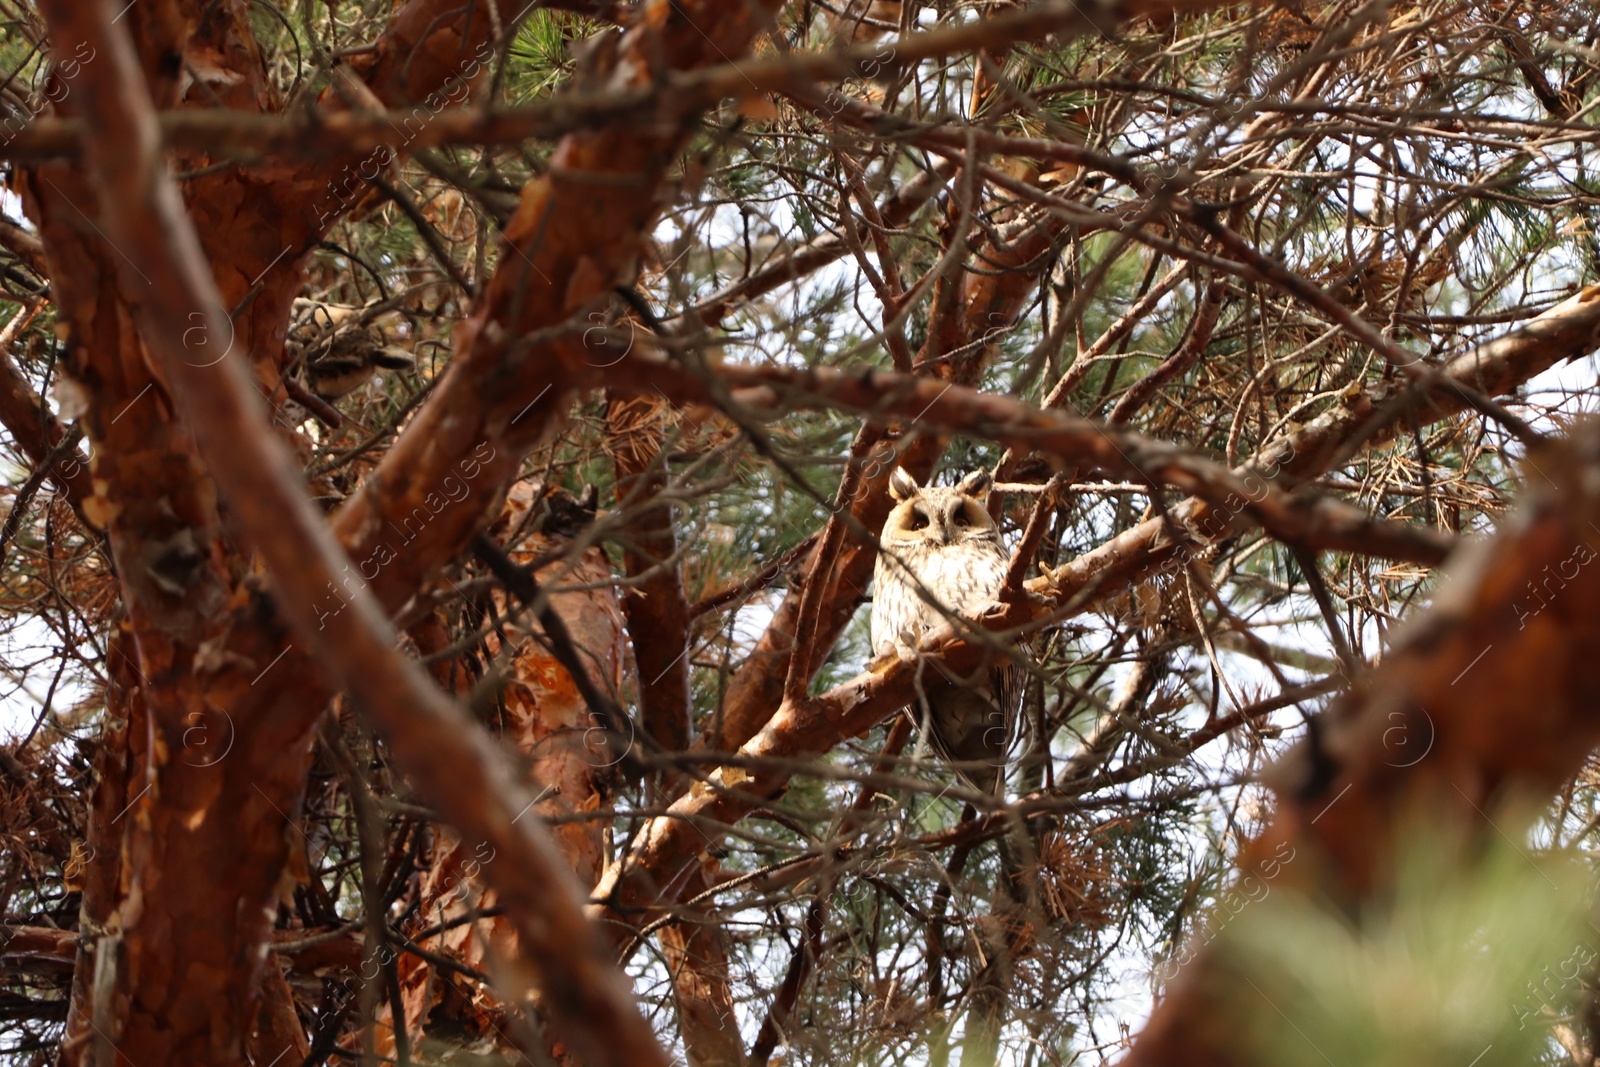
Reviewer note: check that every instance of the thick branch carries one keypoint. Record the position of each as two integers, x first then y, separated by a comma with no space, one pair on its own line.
657,610
979,297
1320,521
814,726
1489,695
249,135
451,761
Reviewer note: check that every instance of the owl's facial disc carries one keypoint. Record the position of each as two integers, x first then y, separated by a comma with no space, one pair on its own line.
927,521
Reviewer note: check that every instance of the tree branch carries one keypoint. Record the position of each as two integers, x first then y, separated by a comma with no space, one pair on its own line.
450,760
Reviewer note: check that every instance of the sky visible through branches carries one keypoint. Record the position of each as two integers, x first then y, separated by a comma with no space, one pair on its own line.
593,336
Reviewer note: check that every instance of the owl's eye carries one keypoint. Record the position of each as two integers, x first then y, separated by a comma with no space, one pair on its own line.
918,520
961,519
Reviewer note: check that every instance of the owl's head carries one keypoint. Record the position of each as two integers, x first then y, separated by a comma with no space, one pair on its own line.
939,515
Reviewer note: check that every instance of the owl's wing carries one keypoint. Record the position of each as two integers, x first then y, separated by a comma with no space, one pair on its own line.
1011,684
972,724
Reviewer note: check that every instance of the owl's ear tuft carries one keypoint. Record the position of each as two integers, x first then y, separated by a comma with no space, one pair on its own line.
901,485
976,484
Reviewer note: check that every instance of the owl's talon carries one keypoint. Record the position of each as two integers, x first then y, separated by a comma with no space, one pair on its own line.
905,645
885,655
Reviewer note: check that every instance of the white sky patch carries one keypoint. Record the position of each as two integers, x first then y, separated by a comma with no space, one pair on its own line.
776,327
11,207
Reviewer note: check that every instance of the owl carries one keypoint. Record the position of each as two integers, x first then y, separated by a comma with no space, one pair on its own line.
944,539
338,349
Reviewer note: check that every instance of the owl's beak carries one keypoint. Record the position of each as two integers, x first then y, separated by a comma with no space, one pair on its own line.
940,532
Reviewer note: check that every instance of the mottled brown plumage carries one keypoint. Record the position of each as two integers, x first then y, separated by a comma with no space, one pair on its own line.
338,349
944,539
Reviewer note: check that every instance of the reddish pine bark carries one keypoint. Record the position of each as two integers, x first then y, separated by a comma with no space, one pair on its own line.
569,762
1487,700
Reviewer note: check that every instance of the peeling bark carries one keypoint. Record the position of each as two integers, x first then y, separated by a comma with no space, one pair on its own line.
658,612
552,726
695,949
667,845
1506,695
